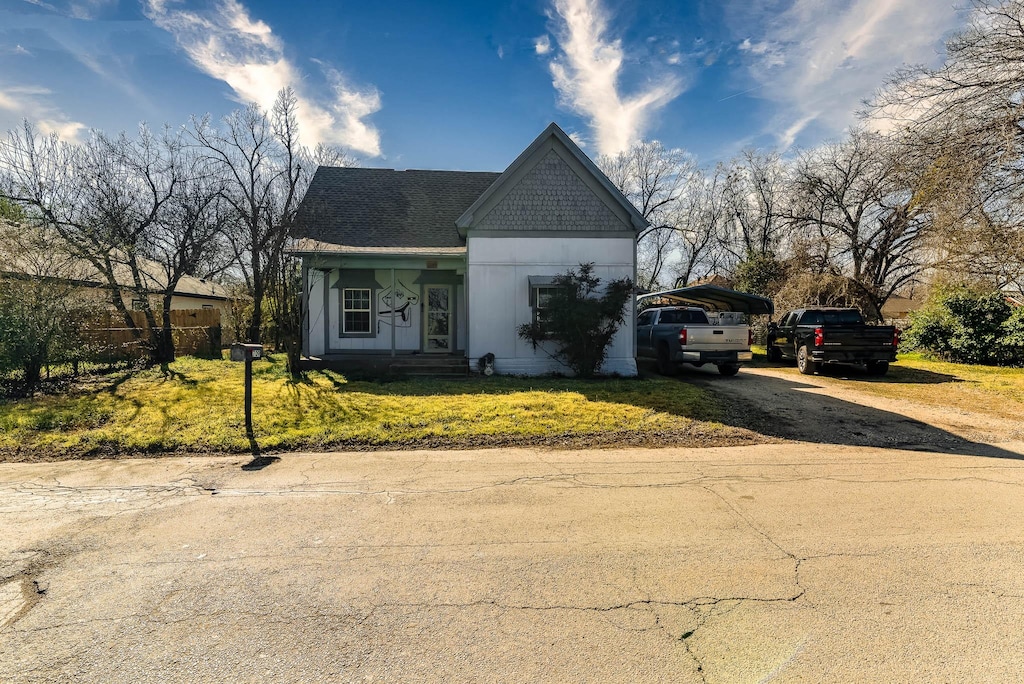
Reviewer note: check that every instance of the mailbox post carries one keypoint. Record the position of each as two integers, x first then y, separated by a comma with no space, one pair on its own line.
246,353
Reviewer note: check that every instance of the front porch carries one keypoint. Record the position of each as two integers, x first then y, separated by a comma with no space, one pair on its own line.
387,306
381,364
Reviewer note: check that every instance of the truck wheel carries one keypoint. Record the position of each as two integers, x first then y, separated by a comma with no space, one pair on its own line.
774,353
728,369
665,365
878,368
804,363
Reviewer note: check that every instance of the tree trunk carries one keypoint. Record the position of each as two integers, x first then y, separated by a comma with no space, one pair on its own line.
256,322
164,347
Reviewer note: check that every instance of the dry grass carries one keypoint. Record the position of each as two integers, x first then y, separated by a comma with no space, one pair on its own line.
987,389
916,377
197,407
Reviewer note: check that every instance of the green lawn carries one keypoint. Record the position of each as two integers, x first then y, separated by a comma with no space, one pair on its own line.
197,407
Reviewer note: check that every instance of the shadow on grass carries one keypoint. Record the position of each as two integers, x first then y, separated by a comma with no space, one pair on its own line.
793,409
116,383
169,373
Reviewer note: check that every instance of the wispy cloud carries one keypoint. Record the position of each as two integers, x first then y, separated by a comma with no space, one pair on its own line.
29,102
229,45
76,9
817,61
586,72
542,45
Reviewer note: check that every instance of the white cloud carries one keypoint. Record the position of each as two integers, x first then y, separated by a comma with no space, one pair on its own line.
542,44
817,61
229,45
586,74
771,55
31,103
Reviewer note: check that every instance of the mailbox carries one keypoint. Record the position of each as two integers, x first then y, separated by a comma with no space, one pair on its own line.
246,352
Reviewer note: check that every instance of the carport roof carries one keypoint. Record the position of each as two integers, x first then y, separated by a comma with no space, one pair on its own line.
714,297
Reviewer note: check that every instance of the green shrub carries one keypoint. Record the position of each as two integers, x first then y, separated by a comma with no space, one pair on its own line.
968,325
1013,337
580,319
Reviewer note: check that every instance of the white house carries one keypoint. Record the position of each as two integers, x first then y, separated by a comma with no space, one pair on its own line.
428,263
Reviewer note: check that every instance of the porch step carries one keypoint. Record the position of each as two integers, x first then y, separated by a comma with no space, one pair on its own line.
431,366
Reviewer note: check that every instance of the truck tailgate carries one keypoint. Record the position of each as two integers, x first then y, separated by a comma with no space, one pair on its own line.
855,338
717,337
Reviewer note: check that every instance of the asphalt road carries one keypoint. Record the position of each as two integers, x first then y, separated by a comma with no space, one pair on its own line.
781,562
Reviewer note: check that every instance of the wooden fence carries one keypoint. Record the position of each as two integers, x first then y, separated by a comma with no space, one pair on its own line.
196,332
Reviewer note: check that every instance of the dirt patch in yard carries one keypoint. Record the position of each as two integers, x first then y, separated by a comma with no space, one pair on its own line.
697,435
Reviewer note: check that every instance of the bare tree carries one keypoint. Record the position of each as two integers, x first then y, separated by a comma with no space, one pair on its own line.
188,238
141,212
41,306
857,198
701,218
102,198
756,192
965,122
653,178
266,172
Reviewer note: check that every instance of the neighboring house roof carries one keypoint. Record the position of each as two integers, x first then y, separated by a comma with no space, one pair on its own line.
366,209
69,268
719,280
898,307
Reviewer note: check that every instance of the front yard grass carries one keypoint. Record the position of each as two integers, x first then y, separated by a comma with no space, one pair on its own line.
196,407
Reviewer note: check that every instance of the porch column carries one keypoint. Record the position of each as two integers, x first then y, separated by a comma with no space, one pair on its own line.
393,300
305,307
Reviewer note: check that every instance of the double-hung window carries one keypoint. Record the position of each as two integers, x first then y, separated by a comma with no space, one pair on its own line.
541,295
356,314
542,289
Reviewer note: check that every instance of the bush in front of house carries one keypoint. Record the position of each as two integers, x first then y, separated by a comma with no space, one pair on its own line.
968,325
580,317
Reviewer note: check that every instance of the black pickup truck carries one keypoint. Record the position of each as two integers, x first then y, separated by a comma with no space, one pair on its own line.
826,335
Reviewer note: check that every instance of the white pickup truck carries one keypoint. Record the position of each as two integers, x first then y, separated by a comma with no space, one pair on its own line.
682,334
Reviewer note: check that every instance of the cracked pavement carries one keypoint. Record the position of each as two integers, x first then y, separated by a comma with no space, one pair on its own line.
776,562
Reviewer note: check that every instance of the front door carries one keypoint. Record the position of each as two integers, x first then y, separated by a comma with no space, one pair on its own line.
437,321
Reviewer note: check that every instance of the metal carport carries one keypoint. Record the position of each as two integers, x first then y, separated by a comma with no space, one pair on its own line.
714,298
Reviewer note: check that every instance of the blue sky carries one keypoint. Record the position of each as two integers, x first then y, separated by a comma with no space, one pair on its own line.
467,85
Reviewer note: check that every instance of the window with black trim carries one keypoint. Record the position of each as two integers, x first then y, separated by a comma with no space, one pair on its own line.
138,304
540,295
356,311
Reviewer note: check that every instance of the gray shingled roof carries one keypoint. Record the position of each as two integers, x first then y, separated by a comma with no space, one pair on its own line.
387,208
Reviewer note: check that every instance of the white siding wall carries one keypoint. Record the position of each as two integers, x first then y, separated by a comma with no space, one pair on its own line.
498,277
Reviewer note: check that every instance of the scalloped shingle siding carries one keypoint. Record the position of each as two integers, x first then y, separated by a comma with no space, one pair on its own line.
551,197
